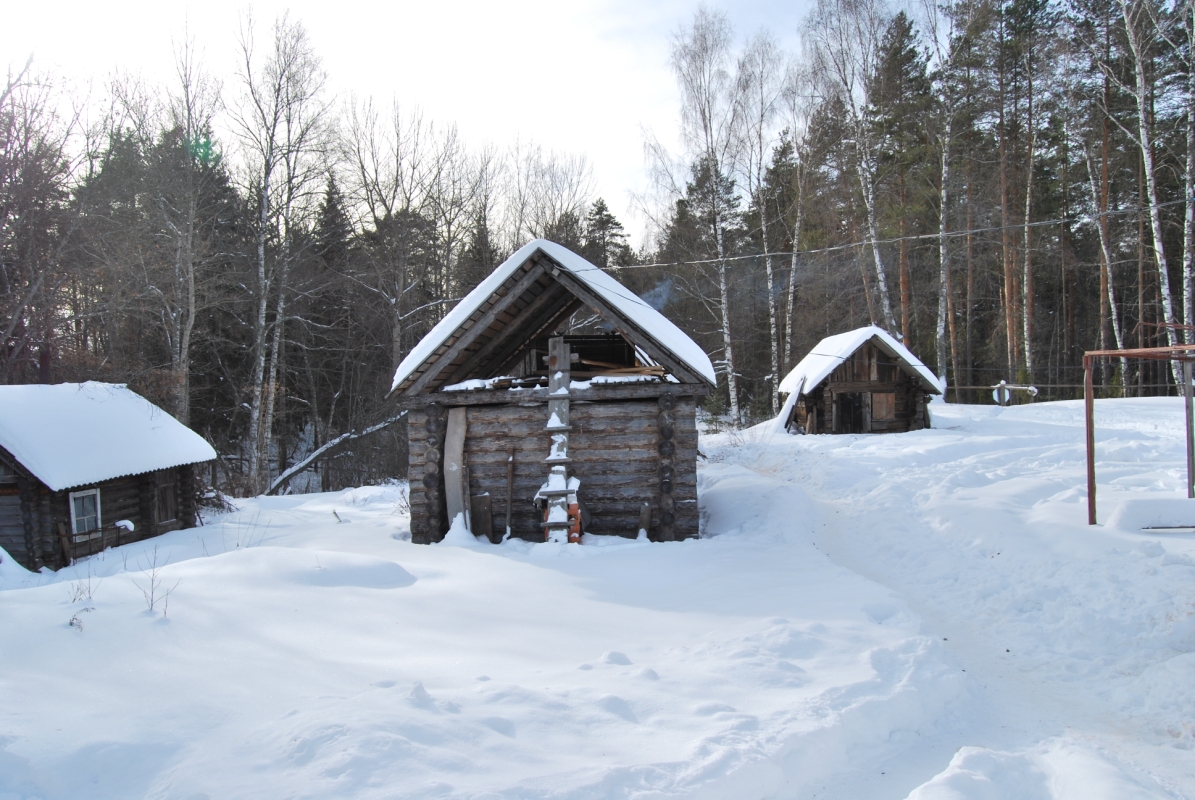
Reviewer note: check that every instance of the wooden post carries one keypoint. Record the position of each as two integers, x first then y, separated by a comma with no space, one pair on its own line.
510,488
28,501
1190,435
433,478
456,491
65,541
556,526
666,447
1089,406
645,519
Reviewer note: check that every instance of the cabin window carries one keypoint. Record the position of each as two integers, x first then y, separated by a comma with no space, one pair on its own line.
883,405
166,499
85,511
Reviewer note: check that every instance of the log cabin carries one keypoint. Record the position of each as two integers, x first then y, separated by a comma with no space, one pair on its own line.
87,466
524,424
861,381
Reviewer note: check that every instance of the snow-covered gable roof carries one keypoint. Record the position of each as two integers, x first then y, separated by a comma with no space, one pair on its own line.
825,357
622,300
75,434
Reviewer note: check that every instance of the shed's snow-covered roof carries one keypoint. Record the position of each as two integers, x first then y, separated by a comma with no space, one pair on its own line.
75,434
825,357
626,302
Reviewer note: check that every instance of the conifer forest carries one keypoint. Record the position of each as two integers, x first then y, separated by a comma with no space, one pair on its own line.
1003,183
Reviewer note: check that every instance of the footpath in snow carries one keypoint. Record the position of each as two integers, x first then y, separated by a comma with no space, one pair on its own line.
922,615
1078,642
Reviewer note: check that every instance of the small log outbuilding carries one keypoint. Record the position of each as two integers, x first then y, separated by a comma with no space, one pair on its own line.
86,466
523,426
861,381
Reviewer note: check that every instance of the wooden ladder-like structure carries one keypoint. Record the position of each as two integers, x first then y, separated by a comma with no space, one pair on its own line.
559,524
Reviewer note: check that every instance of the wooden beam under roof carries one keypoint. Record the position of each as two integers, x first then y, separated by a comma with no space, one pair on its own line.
474,327
629,330
490,359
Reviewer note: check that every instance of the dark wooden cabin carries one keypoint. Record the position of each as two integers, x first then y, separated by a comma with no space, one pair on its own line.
503,394
76,459
861,381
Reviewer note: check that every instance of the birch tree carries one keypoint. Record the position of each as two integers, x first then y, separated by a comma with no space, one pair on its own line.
180,204
799,102
1141,36
760,79
712,128
844,37
280,122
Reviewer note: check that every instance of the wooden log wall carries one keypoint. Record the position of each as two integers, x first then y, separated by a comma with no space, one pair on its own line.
12,523
616,448
188,505
31,516
426,428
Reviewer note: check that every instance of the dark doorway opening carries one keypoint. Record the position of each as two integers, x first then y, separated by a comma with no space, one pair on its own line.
850,412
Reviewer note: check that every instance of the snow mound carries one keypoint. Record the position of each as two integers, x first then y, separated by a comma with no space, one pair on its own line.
1133,515
1061,771
344,570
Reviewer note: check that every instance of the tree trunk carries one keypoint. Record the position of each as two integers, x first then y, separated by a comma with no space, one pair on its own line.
259,344
869,200
276,348
1141,96
792,275
1009,290
1189,185
732,383
773,323
1027,276
1107,287
943,263
903,262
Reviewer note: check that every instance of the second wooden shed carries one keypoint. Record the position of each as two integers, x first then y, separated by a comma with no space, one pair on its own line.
861,381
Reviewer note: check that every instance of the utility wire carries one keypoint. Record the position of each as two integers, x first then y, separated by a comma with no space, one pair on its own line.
916,237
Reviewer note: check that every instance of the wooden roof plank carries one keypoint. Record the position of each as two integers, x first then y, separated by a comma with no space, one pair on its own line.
631,332
499,350
463,339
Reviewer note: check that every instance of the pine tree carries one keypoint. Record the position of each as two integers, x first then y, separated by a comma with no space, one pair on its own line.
605,241
333,230
900,100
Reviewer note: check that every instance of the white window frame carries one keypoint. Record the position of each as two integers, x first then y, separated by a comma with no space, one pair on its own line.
80,536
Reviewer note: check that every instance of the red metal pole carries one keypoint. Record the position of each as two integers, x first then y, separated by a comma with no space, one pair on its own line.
1089,403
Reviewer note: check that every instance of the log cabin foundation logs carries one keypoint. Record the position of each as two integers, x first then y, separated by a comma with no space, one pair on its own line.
427,427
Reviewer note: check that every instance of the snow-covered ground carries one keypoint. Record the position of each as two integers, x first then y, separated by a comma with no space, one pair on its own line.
921,615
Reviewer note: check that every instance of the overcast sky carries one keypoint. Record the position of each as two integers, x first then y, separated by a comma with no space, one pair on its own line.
585,76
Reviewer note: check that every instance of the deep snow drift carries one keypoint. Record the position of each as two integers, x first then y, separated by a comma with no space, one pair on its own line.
918,615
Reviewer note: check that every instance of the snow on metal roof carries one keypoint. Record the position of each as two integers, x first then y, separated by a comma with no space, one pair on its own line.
623,299
825,357
75,434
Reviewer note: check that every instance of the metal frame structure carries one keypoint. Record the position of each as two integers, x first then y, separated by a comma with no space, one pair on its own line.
1183,353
